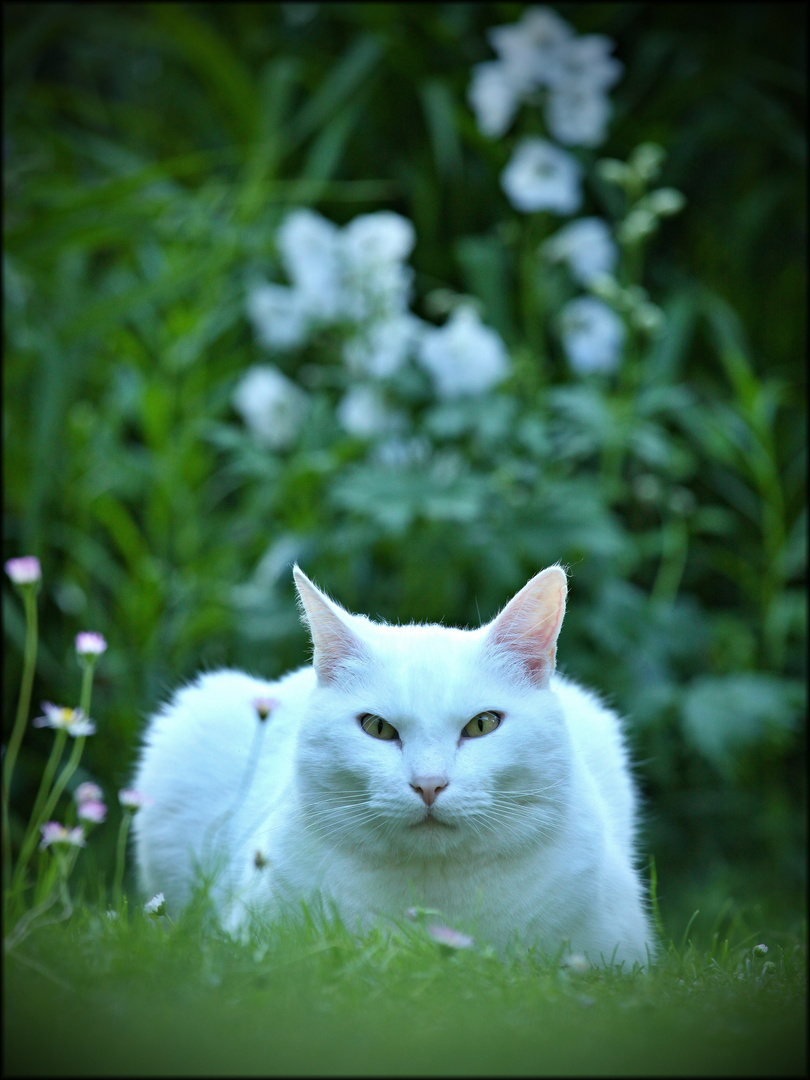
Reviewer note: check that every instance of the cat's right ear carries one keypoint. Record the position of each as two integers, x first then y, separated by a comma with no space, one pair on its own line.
336,647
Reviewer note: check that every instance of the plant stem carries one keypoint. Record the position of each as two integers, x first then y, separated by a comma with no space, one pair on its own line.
37,815
120,856
23,706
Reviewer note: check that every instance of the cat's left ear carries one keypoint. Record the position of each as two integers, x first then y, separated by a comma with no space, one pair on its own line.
528,626
336,647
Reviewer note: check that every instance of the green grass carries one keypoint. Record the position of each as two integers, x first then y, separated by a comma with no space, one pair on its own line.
94,997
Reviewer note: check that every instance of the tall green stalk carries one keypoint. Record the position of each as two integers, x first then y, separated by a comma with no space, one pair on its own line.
23,707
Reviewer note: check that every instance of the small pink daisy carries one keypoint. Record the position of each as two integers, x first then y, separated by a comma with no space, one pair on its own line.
89,644
88,792
73,721
449,938
133,800
24,570
54,833
264,706
92,811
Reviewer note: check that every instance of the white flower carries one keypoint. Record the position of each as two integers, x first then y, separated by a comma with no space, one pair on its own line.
89,644
88,792
585,62
376,282
73,721
592,335
449,938
381,348
493,97
24,570
586,246
576,963
362,412
279,315
373,240
54,833
131,799
308,244
578,115
271,405
463,356
540,176
155,907
529,48
92,810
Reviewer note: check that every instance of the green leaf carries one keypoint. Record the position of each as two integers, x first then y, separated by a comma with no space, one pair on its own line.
723,715
438,106
337,89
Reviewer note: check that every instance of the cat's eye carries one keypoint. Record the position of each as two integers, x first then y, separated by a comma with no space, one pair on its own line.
481,725
377,727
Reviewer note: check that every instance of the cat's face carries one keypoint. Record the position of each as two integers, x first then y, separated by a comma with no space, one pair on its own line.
426,741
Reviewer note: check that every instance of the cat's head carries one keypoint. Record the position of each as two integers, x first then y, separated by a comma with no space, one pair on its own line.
429,741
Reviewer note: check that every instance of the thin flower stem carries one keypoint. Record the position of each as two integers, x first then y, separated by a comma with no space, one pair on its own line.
23,706
120,856
37,814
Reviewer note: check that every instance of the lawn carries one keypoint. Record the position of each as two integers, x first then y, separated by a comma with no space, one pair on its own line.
146,998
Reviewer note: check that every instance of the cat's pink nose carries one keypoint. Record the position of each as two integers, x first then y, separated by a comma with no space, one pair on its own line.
429,787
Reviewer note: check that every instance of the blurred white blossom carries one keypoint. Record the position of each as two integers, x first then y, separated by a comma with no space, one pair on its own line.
541,176
529,48
376,281
585,62
379,239
24,570
309,247
542,52
271,405
279,315
493,97
586,246
578,115
381,348
592,335
362,412
464,356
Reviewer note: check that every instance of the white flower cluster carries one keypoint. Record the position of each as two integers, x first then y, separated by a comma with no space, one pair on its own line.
541,60
542,53
356,279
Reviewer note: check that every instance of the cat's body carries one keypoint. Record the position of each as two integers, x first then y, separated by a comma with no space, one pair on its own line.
411,766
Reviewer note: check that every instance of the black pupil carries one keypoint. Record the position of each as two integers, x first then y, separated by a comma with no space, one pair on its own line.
480,723
379,726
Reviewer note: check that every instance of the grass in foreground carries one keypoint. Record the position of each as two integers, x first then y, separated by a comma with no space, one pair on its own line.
135,996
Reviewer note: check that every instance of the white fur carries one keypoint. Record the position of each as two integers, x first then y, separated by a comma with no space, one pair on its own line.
535,840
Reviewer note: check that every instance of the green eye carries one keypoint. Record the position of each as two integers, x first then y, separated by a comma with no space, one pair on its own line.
377,727
481,725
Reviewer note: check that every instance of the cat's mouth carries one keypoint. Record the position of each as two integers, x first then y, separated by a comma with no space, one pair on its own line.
431,822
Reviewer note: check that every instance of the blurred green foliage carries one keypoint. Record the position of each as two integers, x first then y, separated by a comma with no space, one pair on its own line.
151,150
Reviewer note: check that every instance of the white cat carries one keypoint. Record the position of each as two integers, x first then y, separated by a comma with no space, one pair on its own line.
409,765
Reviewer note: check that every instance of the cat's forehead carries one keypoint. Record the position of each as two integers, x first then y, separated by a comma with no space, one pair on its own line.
422,663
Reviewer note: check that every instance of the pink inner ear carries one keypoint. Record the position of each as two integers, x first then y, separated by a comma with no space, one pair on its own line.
335,645
528,626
